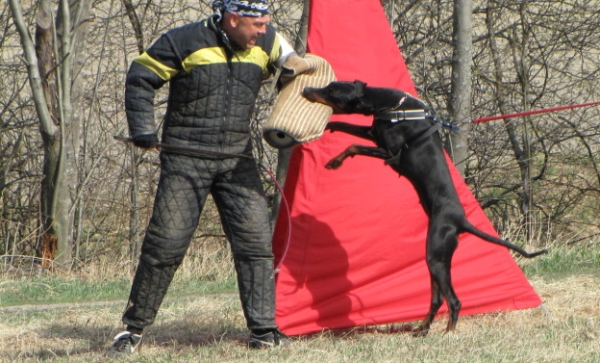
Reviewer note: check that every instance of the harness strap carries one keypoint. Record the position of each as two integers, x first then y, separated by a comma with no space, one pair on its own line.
394,116
403,115
396,158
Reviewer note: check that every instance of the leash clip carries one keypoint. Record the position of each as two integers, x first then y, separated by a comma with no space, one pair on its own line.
400,102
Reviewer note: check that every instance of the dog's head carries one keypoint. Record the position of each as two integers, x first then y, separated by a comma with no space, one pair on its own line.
343,97
356,97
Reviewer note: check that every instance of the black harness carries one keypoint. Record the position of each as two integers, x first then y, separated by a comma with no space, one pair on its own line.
395,115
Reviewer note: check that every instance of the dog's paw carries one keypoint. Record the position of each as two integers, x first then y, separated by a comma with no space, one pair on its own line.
333,126
419,332
333,164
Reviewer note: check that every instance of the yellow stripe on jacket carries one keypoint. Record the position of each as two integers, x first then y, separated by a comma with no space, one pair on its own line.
212,55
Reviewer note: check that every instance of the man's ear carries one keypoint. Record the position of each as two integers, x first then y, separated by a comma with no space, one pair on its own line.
360,87
232,19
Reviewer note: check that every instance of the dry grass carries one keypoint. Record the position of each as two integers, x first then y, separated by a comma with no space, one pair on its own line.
210,328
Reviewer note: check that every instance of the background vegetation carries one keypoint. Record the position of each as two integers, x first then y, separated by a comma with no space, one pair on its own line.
537,178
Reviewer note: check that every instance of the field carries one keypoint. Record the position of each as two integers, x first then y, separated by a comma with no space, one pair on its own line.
72,319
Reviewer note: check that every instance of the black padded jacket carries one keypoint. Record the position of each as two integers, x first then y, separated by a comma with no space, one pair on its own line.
213,87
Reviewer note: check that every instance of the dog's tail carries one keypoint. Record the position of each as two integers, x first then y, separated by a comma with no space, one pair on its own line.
468,227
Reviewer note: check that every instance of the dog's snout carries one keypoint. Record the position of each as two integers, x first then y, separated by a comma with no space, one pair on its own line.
318,95
310,94
307,91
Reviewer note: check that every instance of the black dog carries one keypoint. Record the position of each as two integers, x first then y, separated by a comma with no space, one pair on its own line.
407,139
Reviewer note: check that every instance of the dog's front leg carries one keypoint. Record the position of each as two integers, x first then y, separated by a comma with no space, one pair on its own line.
357,150
363,132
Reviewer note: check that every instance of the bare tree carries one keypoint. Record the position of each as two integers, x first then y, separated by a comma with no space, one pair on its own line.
460,106
51,59
525,55
533,65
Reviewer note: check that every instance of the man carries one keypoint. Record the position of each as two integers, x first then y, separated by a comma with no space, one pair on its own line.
215,69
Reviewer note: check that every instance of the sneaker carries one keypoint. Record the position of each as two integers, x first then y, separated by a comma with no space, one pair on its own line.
125,343
268,339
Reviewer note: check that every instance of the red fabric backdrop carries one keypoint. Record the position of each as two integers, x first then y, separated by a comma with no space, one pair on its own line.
356,254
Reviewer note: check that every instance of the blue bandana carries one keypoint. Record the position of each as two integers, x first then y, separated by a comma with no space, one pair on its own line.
252,8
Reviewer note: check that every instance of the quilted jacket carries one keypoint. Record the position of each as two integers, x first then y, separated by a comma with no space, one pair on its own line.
213,87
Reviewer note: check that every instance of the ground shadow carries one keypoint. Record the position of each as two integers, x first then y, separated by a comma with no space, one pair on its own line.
170,334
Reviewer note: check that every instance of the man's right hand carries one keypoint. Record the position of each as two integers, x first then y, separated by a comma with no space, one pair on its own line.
149,142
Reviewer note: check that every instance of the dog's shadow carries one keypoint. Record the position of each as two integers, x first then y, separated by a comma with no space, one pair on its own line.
319,269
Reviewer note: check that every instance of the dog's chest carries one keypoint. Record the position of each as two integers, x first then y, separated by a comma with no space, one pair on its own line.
388,135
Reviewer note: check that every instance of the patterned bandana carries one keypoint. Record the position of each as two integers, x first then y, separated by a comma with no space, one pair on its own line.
253,8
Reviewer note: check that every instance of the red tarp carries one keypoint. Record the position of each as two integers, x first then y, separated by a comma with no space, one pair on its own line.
356,254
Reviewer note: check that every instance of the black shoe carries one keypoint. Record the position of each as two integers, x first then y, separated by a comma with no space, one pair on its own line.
125,343
268,339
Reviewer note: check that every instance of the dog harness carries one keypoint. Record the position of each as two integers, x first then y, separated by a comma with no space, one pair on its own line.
397,115
404,115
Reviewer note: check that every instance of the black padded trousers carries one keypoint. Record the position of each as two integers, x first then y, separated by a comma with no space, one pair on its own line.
184,185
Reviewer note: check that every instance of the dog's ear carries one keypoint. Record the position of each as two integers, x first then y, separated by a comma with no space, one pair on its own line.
360,87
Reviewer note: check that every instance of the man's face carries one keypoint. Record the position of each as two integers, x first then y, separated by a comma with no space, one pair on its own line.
245,30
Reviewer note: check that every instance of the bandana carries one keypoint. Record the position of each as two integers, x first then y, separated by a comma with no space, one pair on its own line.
253,8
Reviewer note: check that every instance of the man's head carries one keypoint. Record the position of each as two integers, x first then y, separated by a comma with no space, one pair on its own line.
243,20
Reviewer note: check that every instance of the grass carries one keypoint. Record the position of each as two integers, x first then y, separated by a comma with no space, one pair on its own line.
60,289
575,259
201,321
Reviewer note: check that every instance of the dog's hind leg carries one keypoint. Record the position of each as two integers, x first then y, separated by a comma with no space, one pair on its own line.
441,244
436,301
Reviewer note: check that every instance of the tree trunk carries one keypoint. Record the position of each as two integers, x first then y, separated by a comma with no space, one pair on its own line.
525,162
135,243
391,6
461,82
283,155
79,28
52,81
44,50
136,24
62,147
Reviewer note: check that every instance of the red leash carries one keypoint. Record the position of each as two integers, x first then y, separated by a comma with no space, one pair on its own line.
526,113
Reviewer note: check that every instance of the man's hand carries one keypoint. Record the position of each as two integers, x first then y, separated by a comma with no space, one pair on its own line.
148,142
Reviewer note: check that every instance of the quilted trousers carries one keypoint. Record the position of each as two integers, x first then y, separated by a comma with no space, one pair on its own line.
184,185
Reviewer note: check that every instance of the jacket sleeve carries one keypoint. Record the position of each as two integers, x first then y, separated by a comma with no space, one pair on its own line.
147,73
282,50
